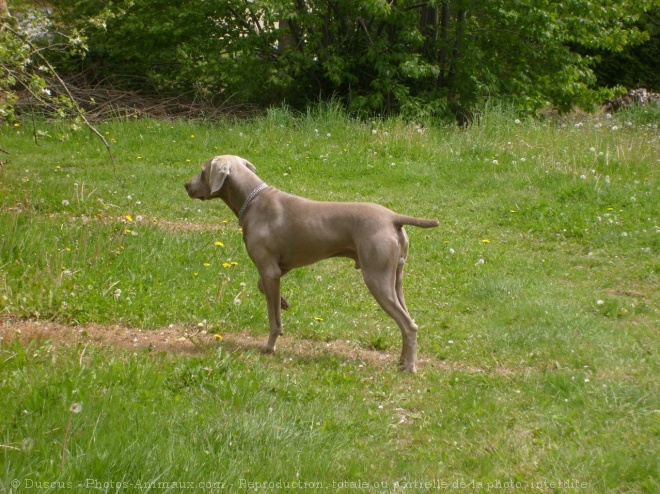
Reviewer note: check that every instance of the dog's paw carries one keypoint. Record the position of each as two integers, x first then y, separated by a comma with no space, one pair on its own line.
267,349
408,364
412,368
284,303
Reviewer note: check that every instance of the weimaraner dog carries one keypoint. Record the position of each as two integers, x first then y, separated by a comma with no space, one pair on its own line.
282,232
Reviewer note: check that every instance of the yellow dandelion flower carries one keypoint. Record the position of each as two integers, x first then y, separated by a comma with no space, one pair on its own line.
226,265
219,244
207,264
485,241
318,319
217,337
128,218
234,263
195,274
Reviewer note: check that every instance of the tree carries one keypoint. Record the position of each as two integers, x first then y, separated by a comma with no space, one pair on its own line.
23,65
424,57
636,66
412,57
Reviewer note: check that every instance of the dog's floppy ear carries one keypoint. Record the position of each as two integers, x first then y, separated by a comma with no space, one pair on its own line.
219,170
250,166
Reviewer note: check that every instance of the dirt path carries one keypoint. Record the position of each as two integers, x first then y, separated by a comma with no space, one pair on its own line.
196,341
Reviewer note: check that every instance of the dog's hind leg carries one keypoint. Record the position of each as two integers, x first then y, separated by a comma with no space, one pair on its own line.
403,243
381,277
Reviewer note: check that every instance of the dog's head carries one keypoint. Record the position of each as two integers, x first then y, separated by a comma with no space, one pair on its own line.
209,182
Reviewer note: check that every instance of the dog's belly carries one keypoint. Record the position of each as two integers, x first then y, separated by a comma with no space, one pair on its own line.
296,257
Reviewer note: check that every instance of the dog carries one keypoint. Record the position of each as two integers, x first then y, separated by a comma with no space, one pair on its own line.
282,232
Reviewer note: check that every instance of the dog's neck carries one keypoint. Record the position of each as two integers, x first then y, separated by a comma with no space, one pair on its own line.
249,199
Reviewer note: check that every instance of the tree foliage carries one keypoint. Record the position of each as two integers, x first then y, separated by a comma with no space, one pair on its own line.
378,56
637,66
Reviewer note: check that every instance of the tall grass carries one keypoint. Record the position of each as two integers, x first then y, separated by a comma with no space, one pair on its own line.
537,301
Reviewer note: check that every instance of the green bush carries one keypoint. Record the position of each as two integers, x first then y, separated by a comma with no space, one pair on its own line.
418,59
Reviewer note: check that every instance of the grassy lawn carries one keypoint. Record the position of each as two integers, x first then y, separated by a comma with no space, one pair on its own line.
537,298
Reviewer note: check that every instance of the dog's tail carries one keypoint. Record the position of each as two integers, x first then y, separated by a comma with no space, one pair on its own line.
400,220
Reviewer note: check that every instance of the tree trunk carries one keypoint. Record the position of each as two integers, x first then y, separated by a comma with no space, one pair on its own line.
4,8
463,115
444,33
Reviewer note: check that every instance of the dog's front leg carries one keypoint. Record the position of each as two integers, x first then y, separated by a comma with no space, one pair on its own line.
284,303
271,288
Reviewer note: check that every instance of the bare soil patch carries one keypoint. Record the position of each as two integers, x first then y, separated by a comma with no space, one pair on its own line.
193,341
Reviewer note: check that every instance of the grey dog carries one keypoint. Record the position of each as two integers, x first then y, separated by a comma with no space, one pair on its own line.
282,232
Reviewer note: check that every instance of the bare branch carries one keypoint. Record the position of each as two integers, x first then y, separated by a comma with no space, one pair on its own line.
77,108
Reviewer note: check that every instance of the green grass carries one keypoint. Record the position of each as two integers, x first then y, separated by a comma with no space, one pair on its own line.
537,301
